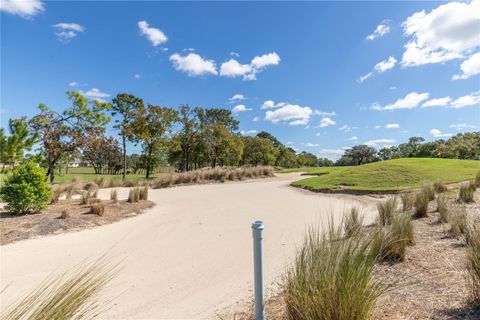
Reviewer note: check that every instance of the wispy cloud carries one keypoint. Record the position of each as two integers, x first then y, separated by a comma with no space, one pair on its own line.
67,31
381,30
154,35
439,134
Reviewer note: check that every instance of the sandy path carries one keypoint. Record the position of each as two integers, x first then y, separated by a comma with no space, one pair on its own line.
188,257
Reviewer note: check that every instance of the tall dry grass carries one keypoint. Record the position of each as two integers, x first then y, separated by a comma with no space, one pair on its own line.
220,174
331,277
134,195
473,263
421,204
458,222
353,222
408,199
68,296
392,241
439,186
386,210
443,209
429,189
466,192
114,195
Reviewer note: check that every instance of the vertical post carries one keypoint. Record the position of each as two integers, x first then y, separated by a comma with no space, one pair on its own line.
257,230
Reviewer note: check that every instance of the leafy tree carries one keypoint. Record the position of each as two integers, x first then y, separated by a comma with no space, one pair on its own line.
188,119
64,132
151,127
306,159
25,190
21,139
358,155
271,138
287,157
125,105
258,151
102,152
325,162
387,153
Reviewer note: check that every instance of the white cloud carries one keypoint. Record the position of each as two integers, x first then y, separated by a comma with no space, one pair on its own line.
137,76
236,97
376,142
269,104
154,35
256,119
248,132
325,122
95,94
438,134
439,102
67,31
22,8
410,101
332,154
461,126
392,126
234,54
392,88
345,128
378,127
469,67
317,134
365,77
233,68
294,113
324,114
74,84
240,108
193,64
467,100
385,65
354,138
380,30
310,145
447,32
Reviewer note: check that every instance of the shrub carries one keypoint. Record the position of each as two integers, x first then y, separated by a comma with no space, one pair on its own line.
429,190
352,223
392,241
472,185
439,186
386,210
477,179
143,193
407,199
458,222
114,195
25,190
97,208
466,193
473,264
331,278
65,213
421,204
442,208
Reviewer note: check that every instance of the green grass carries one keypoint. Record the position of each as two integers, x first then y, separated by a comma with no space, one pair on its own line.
313,170
391,175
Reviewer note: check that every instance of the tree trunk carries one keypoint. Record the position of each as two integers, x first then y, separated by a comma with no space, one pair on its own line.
51,169
124,142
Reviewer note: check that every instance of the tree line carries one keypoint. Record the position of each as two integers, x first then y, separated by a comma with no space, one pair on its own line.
186,138
460,146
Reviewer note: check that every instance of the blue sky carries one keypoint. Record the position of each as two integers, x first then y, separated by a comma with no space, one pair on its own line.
298,66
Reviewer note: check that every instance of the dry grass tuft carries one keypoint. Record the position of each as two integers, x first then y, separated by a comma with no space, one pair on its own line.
439,186
143,193
477,179
134,195
331,278
443,209
386,210
473,264
408,199
102,182
421,204
57,191
429,190
392,241
458,222
466,192
66,213
98,209
353,223
114,195
66,296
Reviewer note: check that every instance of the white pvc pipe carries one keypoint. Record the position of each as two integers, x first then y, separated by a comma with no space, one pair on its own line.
257,230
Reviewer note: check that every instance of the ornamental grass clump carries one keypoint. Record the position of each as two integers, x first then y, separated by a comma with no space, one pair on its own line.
458,222
408,199
134,195
421,204
72,295
429,190
386,210
392,241
114,195
143,193
443,209
98,209
25,190
331,277
477,179
439,186
473,264
353,223
466,193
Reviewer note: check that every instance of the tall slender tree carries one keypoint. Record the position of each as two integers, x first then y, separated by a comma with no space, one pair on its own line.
125,105
21,139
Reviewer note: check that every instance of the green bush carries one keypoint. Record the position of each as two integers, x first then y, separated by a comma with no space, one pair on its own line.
25,190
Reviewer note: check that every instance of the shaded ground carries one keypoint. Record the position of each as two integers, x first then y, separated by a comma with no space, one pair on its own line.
49,221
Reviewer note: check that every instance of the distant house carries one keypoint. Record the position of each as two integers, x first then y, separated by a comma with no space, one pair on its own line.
78,163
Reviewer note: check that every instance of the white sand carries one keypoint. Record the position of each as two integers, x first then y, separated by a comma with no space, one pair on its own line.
188,257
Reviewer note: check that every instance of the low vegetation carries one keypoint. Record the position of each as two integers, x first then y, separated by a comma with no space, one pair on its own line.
421,204
72,295
443,209
390,175
386,211
473,264
408,200
392,240
353,223
458,222
97,208
25,190
466,192
332,278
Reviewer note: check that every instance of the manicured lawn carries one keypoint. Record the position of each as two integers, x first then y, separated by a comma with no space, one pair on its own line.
392,175
88,175
313,170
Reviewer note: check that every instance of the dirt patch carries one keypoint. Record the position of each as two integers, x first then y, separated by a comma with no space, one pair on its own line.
49,221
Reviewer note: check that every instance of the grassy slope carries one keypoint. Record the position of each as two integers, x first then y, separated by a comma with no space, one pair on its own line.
392,175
